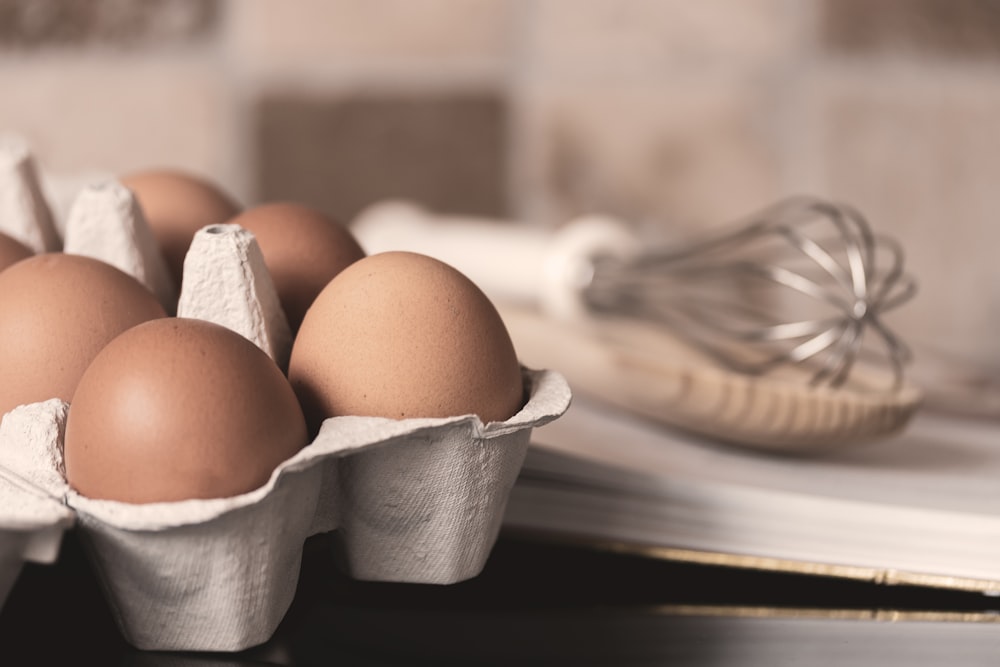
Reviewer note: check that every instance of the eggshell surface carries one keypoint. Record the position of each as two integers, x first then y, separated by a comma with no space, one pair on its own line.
177,204
11,251
176,409
57,312
303,250
402,335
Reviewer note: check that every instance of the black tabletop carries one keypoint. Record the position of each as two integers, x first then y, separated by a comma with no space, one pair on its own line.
536,602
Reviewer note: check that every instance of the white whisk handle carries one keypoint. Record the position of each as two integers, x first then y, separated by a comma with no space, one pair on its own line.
508,261
503,259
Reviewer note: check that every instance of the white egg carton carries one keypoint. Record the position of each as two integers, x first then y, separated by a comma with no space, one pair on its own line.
415,500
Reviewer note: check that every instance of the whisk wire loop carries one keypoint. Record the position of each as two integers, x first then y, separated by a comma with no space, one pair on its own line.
728,292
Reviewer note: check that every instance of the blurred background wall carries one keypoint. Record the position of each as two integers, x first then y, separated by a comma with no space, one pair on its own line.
671,113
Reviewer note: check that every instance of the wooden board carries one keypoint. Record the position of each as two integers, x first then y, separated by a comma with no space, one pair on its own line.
648,372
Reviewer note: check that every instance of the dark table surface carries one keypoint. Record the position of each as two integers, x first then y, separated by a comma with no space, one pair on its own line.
536,602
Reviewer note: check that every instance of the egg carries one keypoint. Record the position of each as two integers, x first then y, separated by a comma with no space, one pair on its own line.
303,250
402,335
177,204
57,312
12,250
179,408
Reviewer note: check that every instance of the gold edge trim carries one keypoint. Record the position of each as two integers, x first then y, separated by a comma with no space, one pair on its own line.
889,577
880,615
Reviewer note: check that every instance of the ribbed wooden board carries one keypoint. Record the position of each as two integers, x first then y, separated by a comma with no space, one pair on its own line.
648,372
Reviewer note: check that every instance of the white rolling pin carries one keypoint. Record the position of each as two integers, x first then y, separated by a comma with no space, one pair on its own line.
508,261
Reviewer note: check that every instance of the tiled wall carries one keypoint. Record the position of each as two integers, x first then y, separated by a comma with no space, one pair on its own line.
671,113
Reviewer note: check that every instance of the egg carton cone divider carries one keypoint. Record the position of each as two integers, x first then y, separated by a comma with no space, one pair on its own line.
24,212
105,222
226,282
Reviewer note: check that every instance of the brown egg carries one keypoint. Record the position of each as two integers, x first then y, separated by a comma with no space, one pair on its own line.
176,205
303,250
179,408
12,250
402,335
57,312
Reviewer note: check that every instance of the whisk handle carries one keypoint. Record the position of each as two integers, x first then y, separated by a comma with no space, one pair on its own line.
508,261
503,259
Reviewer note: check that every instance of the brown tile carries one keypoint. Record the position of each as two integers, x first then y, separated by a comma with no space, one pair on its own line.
943,27
35,24
340,155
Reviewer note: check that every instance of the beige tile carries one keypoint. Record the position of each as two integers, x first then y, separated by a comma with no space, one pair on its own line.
319,34
920,155
84,114
672,155
610,36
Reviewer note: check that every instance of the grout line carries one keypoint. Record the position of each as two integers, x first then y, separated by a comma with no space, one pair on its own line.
522,158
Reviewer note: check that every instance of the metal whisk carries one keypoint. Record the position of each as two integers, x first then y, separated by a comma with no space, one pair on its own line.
800,282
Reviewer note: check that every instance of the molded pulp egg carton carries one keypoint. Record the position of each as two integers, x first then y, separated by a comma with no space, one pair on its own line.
416,500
